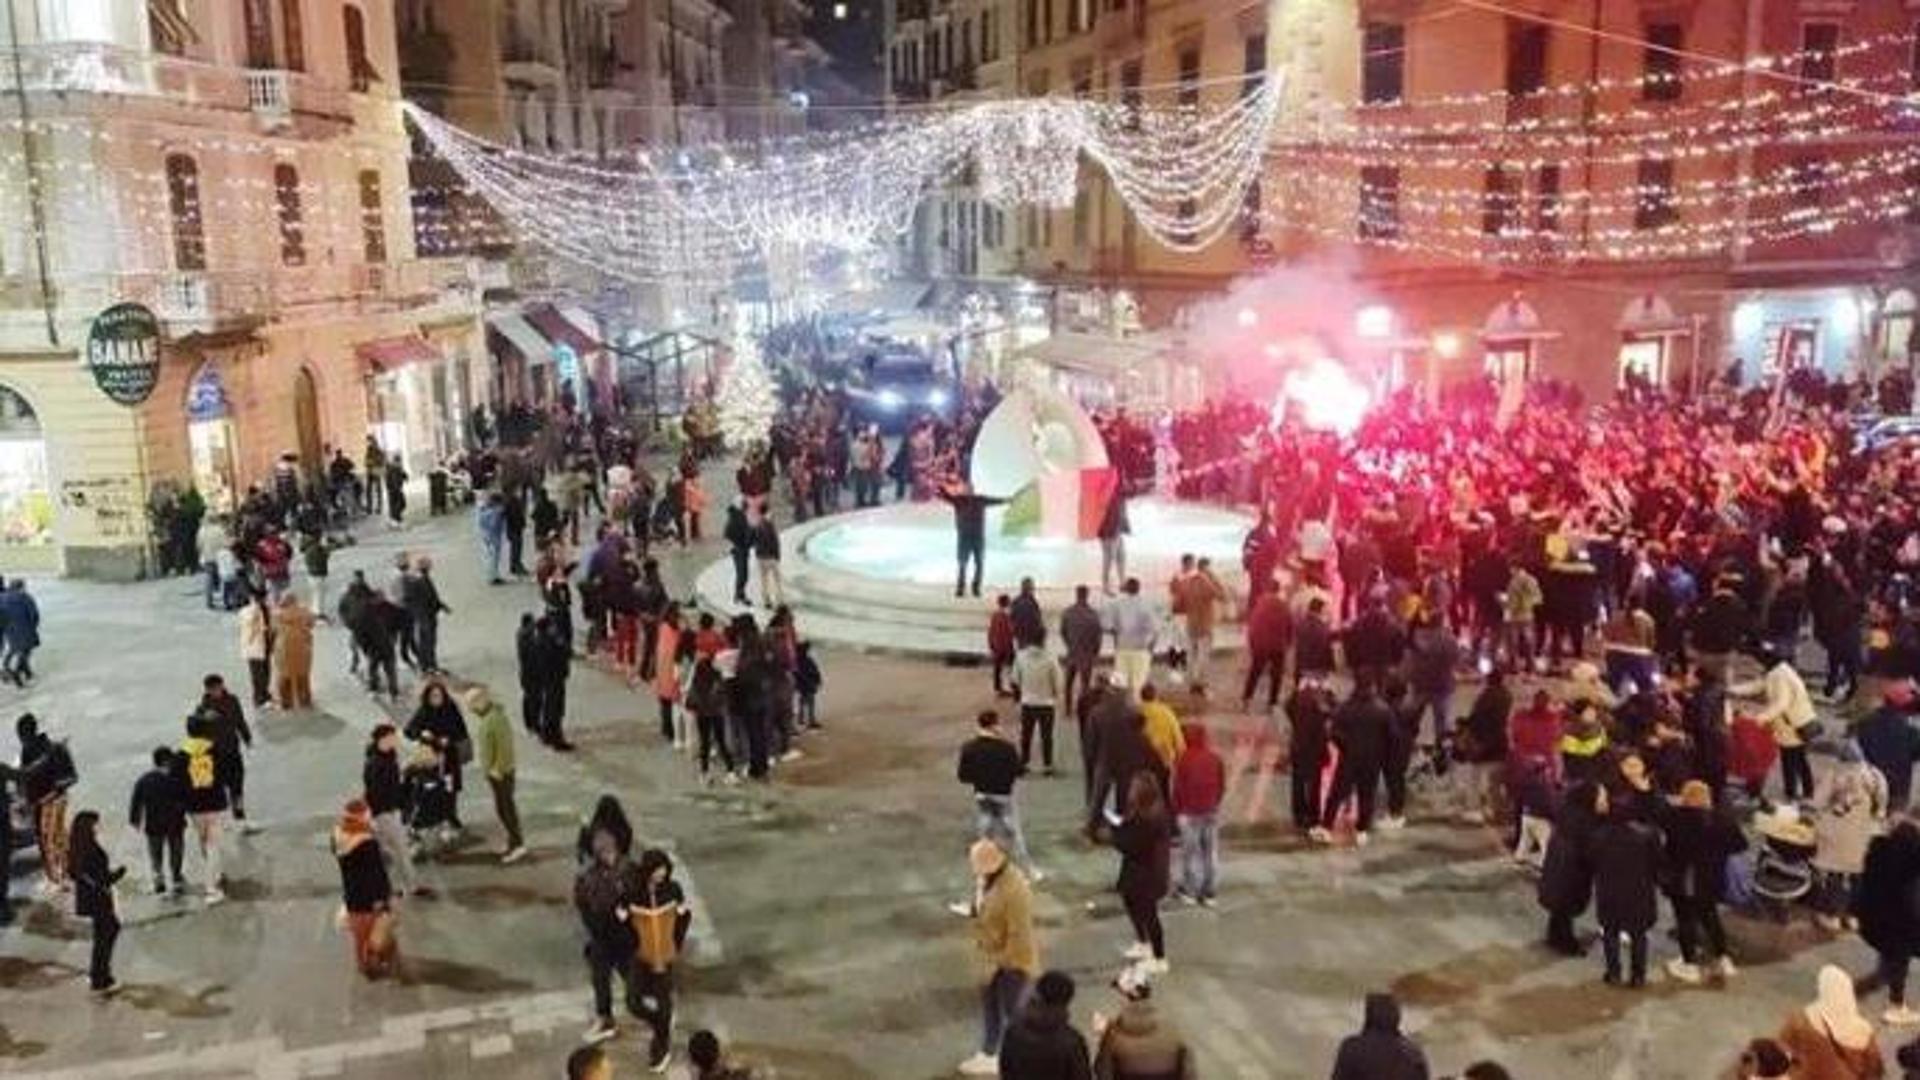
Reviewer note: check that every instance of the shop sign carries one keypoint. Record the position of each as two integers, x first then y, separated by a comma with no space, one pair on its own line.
123,353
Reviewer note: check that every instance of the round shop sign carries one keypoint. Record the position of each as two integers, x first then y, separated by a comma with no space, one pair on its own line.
123,353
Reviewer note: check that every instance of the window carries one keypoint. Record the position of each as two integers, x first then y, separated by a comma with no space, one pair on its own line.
1254,64
1911,180
1653,195
1547,201
1806,182
1079,16
360,73
292,36
1500,201
183,203
1913,62
373,227
286,200
167,27
966,45
1130,93
259,22
989,37
1383,63
1190,76
1379,202
1080,216
1819,49
1660,62
1526,57
1033,23
1046,28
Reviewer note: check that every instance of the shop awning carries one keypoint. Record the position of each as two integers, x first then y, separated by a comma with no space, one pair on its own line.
386,354
1093,353
560,327
518,334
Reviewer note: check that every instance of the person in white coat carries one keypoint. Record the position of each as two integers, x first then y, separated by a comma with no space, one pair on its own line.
256,648
1786,709
1849,810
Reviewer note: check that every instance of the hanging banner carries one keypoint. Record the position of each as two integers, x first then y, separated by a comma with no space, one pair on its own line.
123,353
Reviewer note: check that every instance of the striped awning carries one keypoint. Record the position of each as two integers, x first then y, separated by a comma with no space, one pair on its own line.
386,354
517,335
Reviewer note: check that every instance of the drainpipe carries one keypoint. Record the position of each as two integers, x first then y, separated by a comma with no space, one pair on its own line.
30,166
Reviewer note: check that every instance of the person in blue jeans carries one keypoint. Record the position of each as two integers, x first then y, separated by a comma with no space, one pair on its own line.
990,764
1199,782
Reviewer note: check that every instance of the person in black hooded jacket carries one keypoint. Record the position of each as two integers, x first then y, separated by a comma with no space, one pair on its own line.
1378,1051
1884,905
1566,876
1042,1044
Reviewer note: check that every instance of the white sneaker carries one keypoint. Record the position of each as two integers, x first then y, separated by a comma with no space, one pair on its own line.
1827,922
1901,1016
1727,970
1139,950
796,755
215,896
1390,823
960,908
1154,966
980,1064
1036,875
1683,971
600,1032
514,855
1472,817
1360,839
1319,835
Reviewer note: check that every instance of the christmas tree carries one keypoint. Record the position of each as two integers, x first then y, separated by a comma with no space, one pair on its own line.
746,401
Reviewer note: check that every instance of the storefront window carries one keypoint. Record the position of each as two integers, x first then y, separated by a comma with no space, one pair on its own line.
26,504
1509,361
210,439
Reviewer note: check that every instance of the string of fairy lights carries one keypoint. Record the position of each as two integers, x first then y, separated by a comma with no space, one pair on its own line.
1740,152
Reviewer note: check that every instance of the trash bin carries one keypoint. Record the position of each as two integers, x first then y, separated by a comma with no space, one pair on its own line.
437,492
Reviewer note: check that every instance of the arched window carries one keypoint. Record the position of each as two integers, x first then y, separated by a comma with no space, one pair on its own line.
373,227
360,71
183,202
26,502
292,36
286,195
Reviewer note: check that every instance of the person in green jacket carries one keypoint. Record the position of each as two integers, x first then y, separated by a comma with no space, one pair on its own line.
493,747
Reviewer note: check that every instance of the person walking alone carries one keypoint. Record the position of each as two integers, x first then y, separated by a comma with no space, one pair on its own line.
1037,686
93,879
493,749
991,766
385,798
1146,856
1004,949
366,891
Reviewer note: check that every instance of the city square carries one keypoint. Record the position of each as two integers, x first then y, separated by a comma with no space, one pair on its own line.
1048,539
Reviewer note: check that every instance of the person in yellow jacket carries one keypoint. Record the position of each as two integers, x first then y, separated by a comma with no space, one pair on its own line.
1161,726
1004,947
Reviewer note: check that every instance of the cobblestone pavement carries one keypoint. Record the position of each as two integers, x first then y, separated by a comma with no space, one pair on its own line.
821,944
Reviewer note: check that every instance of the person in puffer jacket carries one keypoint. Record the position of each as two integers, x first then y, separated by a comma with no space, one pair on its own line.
1199,782
1139,1043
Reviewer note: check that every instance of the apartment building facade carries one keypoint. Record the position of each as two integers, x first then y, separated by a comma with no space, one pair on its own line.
237,167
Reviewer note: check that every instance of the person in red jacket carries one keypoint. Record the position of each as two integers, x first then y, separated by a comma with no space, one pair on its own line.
1269,636
1000,642
1199,782
1534,732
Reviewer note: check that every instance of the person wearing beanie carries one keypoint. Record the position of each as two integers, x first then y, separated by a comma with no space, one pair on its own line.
1699,842
1003,946
1042,1043
366,893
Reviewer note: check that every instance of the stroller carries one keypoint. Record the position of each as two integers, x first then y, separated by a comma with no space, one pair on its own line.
429,809
1783,864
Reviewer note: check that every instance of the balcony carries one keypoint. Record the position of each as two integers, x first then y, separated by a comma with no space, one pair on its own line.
524,59
90,67
270,96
